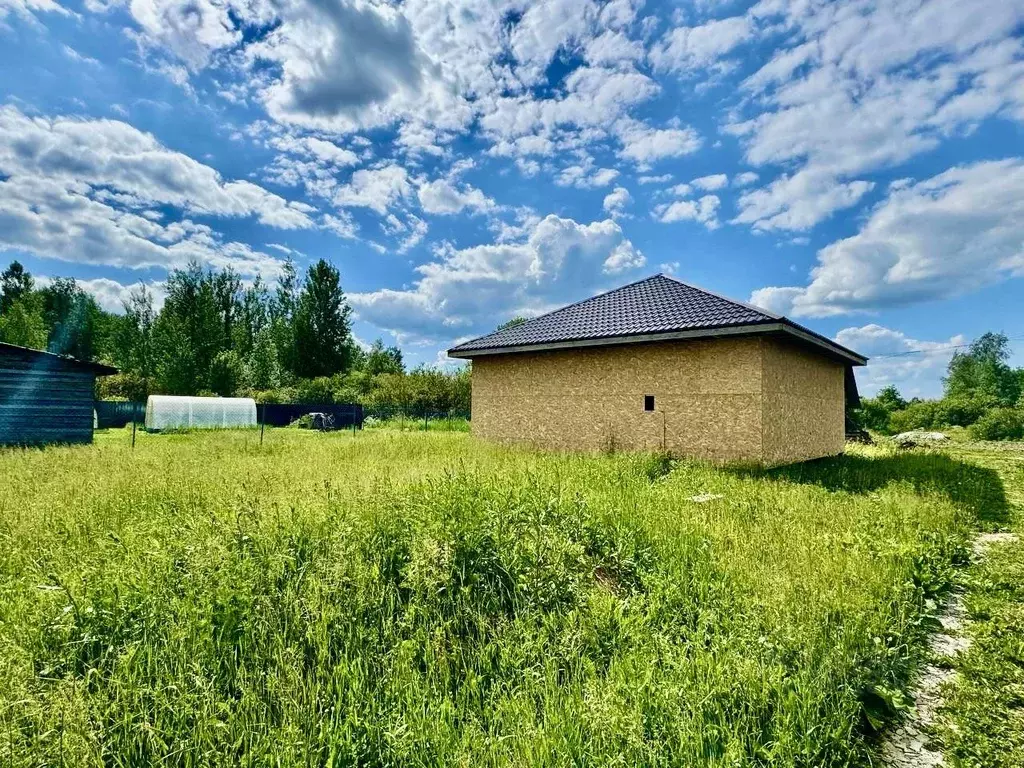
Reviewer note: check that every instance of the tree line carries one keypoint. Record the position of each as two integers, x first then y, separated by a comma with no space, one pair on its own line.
981,392
216,336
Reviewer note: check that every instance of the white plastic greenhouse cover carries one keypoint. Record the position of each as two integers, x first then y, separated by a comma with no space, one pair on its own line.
178,412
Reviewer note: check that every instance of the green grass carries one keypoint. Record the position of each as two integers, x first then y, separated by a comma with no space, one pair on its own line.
404,599
982,723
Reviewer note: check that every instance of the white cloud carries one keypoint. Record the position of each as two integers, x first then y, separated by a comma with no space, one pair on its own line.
659,179
473,289
745,179
444,197
688,49
915,367
586,177
120,163
375,188
27,8
111,295
929,240
615,202
704,211
711,183
862,85
644,145
800,201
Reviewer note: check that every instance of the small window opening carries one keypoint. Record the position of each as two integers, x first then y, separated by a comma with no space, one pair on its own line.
648,402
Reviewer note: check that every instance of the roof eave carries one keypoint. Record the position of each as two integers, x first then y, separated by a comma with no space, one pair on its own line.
782,325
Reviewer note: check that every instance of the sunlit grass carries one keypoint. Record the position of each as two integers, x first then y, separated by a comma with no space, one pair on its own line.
387,598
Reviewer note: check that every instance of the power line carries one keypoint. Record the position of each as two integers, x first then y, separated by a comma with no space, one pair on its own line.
935,349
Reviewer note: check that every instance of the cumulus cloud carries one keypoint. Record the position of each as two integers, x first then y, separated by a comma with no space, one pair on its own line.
645,145
121,163
916,367
586,177
442,196
615,202
686,50
375,188
711,183
704,211
928,240
111,295
97,191
471,290
863,85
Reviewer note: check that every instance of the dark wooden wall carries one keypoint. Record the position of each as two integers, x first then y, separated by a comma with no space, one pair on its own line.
44,401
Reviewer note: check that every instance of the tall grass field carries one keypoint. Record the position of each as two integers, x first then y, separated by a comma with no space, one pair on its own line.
425,599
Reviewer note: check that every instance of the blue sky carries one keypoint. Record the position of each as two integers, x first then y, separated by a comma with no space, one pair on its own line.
858,165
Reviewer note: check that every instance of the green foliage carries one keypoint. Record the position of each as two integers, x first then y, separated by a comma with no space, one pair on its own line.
73,319
426,600
322,324
982,371
263,370
999,424
22,323
227,372
15,283
318,390
919,414
383,360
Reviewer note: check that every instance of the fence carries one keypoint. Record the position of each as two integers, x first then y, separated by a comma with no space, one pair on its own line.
115,414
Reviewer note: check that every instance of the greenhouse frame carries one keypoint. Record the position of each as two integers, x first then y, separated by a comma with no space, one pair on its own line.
181,412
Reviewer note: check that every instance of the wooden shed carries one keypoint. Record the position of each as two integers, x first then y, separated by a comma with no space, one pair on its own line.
663,365
46,398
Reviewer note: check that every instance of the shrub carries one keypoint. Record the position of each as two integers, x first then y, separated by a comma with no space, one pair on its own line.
963,410
920,414
318,390
999,424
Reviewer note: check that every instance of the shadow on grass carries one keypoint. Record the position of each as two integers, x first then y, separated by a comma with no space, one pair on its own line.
975,489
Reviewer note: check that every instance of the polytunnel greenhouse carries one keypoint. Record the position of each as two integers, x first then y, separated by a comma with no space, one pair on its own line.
179,412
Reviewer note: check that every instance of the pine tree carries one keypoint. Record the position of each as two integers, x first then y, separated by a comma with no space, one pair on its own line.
322,325
15,282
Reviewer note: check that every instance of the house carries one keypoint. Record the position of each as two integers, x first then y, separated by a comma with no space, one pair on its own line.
46,398
663,365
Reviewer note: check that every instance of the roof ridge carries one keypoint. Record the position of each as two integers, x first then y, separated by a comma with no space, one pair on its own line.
744,304
565,307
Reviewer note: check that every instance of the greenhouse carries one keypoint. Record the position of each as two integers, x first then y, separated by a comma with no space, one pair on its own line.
178,412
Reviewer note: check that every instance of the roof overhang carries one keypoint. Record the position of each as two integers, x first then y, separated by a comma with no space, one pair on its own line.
783,326
51,360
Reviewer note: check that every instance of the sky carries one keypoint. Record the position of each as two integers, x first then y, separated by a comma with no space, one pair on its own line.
857,166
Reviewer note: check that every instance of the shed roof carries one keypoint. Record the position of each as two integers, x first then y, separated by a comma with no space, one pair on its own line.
658,308
49,359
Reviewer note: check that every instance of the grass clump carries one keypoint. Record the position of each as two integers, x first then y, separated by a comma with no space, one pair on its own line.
424,599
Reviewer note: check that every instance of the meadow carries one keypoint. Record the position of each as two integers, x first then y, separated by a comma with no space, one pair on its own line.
424,599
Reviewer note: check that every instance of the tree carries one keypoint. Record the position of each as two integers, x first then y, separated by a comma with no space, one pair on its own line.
282,316
22,323
263,371
383,360
890,398
188,333
322,326
226,373
15,282
133,345
226,288
253,317
982,372
72,317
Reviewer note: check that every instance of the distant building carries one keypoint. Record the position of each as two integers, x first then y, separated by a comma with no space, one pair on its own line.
46,398
662,365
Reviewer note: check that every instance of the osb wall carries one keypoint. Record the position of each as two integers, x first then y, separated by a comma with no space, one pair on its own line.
804,400
707,398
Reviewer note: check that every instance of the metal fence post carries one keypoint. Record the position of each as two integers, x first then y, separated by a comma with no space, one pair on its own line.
263,421
135,418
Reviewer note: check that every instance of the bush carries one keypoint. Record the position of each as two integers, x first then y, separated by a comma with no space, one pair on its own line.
318,390
999,424
920,414
962,410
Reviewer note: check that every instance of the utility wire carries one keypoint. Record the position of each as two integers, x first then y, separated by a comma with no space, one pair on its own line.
936,349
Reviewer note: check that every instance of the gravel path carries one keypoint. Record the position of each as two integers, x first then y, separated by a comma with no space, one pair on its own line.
907,746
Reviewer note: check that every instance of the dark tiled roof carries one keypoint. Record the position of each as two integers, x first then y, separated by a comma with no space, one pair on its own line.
12,352
658,304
